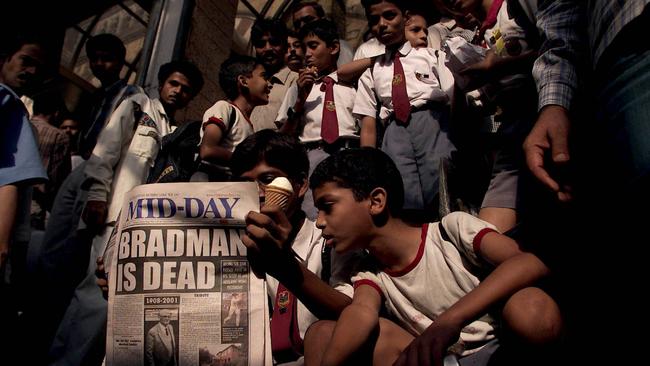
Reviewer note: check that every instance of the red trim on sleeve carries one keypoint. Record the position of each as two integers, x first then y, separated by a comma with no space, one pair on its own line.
414,263
215,121
476,243
369,283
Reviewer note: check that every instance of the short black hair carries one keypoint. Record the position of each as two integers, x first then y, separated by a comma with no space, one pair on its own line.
322,28
10,44
317,7
278,150
274,27
191,72
106,42
230,70
401,4
362,170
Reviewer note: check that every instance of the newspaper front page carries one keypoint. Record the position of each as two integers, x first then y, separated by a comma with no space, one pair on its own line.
180,288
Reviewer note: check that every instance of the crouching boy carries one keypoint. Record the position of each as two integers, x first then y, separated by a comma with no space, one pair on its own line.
438,280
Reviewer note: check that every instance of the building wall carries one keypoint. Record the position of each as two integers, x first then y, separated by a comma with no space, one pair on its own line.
208,45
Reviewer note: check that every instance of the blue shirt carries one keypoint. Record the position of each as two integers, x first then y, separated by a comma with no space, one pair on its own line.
20,160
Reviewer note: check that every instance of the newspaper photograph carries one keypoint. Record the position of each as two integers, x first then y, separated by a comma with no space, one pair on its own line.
181,291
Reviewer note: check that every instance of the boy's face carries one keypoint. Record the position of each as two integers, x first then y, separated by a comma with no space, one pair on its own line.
344,220
22,69
258,86
416,31
176,92
464,6
387,23
295,54
319,54
264,174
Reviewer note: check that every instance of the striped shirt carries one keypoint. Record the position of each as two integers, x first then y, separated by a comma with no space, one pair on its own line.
565,26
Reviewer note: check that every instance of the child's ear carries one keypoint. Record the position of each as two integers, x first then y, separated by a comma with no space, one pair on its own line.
242,81
303,186
335,47
378,201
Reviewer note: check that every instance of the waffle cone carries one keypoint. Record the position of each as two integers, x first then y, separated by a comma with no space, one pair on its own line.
277,197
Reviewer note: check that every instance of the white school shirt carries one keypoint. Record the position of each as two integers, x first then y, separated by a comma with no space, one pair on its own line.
427,79
313,111
442,272
234,132
308,245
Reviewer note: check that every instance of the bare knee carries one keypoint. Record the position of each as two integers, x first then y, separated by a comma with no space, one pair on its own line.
317,338
533,316
392,340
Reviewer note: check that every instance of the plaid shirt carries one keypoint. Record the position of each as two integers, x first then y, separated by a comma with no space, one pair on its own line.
566,25
54,148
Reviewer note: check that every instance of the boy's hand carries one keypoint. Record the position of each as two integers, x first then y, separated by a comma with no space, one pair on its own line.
102,280
267,233
306,79
430,347
481,72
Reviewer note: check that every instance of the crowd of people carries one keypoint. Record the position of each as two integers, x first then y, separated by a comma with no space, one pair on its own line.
442,209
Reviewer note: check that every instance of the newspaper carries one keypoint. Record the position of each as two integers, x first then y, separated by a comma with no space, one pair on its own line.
180,288
461,54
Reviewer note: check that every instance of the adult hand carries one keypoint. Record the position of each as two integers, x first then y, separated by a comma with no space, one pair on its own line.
94,215
266,240
550,133
430,347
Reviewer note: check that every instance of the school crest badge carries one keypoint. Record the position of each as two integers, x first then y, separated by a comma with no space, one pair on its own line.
330,105
284,300
397,79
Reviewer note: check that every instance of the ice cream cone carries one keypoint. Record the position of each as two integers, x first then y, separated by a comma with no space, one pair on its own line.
278,192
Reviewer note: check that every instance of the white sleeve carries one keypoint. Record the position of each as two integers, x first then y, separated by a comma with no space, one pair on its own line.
100,168
465,232
365,102
218,114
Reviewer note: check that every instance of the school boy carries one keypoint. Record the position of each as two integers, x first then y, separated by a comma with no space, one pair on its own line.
428,277
318,108
293,258
227,123
410,88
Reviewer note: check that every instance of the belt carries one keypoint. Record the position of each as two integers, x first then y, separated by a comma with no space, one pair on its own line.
340,144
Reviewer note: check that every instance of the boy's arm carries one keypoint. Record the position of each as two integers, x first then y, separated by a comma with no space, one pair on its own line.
351,72
515,270
269,250
368,131
354,327
210,149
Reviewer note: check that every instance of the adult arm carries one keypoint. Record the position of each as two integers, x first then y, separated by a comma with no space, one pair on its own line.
268,247
555,71
354,326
